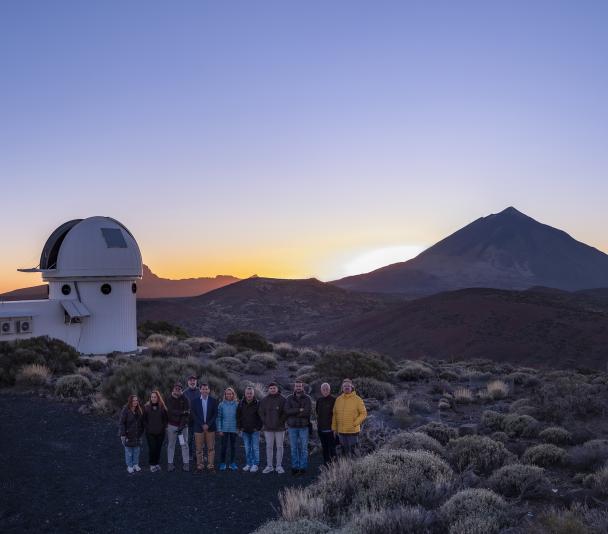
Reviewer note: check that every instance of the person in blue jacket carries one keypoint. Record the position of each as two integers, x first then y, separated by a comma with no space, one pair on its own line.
204,416
227,428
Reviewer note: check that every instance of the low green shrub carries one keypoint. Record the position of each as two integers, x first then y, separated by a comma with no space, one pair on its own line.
254,368
267,359
147,328
544,455
413,441
223,351
588,456
307,356
230,362
556,435
440,431
492,420
373,388
479,453
500,436
72,386
469,508
249,340
520,481
414,370
353,364
524,426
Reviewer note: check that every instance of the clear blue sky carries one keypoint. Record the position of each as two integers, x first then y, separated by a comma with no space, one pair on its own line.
294,138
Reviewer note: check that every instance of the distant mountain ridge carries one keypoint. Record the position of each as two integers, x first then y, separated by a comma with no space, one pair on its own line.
507,250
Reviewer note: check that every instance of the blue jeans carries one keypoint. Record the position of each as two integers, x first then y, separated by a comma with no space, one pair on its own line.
251,441
298,440
132,456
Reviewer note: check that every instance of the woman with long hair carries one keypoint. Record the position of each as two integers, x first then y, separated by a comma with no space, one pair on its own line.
227,427
155,425
130,430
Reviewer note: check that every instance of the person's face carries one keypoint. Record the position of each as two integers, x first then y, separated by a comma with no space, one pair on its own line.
205,391
177,391
325,390
298,387
229,395
249,395
154,398
192,383
347,387
273,390
135,402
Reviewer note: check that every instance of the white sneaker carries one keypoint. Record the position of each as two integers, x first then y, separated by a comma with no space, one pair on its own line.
254,469
129,470
137,468
268,469
280,469
152,469
246,468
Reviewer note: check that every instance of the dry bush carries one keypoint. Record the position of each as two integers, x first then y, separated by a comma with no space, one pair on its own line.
223,351
254,368
499,436
479,453
307,356
463,395
524,426
230,362
588,456
353,364
440,431
520,378
497,389
301,526
544,455
297,503
400,520
399,408
158,342
101,406
520,481
578,519
72,386
471,507
201,343
492,420
267,359
33,375
414,370
285,350
374,434
413,441
373,388
556,435
522,407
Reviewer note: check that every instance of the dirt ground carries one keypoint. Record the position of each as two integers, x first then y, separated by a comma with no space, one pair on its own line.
65,472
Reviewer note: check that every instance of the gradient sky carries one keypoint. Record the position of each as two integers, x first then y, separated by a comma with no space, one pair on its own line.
297,139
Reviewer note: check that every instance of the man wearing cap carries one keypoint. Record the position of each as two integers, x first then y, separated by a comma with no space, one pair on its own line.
191,393
348,415
272,413
178,415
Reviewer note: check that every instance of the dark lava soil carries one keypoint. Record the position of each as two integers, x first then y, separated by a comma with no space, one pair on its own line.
64,472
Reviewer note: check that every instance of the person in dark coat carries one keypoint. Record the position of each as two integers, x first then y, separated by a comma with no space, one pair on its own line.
131,428
191,393
298,409
249,425
204,416
155,425
325,410
272,413
178,415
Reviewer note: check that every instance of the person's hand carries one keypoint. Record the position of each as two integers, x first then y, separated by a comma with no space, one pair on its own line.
123,440
205,427
240,433
335,434
301,409
220,433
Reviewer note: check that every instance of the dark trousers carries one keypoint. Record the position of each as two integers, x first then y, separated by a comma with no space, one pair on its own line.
228,438
349,444
191,447
328,443
155,444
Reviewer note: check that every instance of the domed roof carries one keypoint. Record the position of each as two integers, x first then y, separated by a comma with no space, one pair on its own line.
93,247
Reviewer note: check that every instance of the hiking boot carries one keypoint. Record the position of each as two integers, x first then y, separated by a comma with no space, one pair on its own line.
186,467
254,469
268,469
129,470
279,469
170,467
246,468
234,467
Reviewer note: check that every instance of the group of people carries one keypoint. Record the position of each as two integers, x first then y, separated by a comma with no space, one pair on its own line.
193,417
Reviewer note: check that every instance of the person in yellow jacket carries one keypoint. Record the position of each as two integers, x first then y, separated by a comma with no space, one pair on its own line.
349,413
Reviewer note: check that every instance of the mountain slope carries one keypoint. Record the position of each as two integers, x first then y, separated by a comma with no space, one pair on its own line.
508,250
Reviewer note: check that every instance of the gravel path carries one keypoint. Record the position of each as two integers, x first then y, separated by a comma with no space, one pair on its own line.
64,472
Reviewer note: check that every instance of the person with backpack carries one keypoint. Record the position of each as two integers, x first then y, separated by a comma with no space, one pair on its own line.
227,428
178,415
155,425
272,413
325,409
249,425
298,409
348,415
130,430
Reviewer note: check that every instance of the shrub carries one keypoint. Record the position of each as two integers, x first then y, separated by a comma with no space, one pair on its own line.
578,519
230,362
413,370
400,520
95,363
556,435
73,386
249,340
518,480
301,526
545,455
59,357
200,344
370,387
523,407
440,431
140,376
475,524
285,350
222,351
307,356
497,389
413,441
33,375
147,328
520,378
163,345
523,426
375,433
399,408
471,507
588,456
500,436
254,368
463,395
267,359
492,420
479,453
352,364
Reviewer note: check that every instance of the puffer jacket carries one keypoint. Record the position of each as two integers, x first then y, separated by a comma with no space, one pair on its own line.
349,413
131,426
226,416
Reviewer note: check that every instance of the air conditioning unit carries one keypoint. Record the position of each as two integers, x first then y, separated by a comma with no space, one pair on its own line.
24,326
6,327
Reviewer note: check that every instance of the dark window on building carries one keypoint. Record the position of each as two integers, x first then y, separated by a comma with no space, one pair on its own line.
114,238
134,287
106,289
66,289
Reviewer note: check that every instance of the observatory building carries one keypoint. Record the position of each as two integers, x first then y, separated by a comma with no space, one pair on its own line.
92,267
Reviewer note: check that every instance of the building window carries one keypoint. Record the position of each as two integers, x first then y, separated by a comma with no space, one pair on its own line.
66,289
134,287
106,289
114,238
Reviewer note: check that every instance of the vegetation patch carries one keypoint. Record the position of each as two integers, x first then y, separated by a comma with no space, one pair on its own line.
479,453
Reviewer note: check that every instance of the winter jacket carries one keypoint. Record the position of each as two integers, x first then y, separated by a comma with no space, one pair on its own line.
298,409
198,415
325,412
131,426
192,394
272,412
155,419
178,411
349,413
247,416
226,416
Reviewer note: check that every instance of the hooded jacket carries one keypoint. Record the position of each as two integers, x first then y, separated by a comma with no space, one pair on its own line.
131,426
272,412
349,413
247,416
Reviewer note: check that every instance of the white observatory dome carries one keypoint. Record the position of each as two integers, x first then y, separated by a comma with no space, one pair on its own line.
96,247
